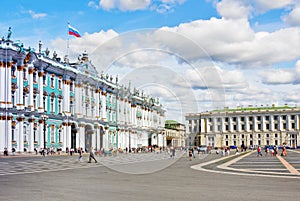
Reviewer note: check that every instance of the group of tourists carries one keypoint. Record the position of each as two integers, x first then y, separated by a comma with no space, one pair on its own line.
271,151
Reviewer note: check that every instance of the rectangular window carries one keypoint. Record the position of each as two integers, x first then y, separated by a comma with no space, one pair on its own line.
284,126
71,86
59,84
52,135
24,74
44,79
293,126
52,82
259,126
34,77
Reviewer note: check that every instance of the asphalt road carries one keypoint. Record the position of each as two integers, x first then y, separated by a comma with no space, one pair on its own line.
175,182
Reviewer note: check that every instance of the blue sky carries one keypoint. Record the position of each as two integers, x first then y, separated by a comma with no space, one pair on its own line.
247,52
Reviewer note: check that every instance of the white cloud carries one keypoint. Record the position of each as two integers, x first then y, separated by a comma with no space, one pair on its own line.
233,41
88,42
206,53
161,6
233,9
35,15
265,5
124,5
281,76
293,17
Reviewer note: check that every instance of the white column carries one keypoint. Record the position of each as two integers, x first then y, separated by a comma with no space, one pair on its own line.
2,136
81,136
31,134
272,123
94,138
97,102
19,92
263,123
41,134
104,113
64,138
66,95
98,137
68,135
8,84
77,99
40,95
30,83
20,135
2,89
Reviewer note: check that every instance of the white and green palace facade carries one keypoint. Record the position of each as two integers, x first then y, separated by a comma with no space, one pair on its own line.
46,102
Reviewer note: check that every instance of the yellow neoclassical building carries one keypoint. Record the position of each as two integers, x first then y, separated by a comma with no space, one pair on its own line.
252,126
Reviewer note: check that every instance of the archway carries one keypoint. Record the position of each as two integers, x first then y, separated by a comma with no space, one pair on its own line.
73,136
88,137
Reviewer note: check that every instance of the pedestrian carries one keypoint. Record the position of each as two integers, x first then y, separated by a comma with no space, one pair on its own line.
267,151
173,152
259,151
44,152
237,151
190,154
13,151
275,151
5,152
193,153
92,155
80,154
283,151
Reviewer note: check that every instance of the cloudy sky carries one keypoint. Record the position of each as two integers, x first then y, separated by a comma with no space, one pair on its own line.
195,55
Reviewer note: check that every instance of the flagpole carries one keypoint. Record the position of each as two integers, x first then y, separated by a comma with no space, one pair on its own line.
68,40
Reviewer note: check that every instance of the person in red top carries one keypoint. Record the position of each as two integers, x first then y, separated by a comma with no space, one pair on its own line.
259,151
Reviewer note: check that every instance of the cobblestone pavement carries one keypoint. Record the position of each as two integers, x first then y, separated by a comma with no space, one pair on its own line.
129,163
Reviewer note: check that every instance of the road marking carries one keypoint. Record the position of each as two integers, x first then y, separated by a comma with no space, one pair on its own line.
288,166
243,172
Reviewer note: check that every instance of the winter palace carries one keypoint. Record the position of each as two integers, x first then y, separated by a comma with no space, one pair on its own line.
46,102
251,126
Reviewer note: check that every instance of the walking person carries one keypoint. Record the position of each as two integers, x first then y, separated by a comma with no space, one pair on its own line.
283,151
190,154
259,151
173,152
80,154
92,155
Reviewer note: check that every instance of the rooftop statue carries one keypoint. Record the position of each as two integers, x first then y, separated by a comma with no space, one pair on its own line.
9,33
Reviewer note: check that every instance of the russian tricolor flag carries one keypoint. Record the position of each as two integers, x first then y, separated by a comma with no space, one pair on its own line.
73,31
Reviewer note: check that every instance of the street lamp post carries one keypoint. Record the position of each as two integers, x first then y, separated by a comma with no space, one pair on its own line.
44,118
